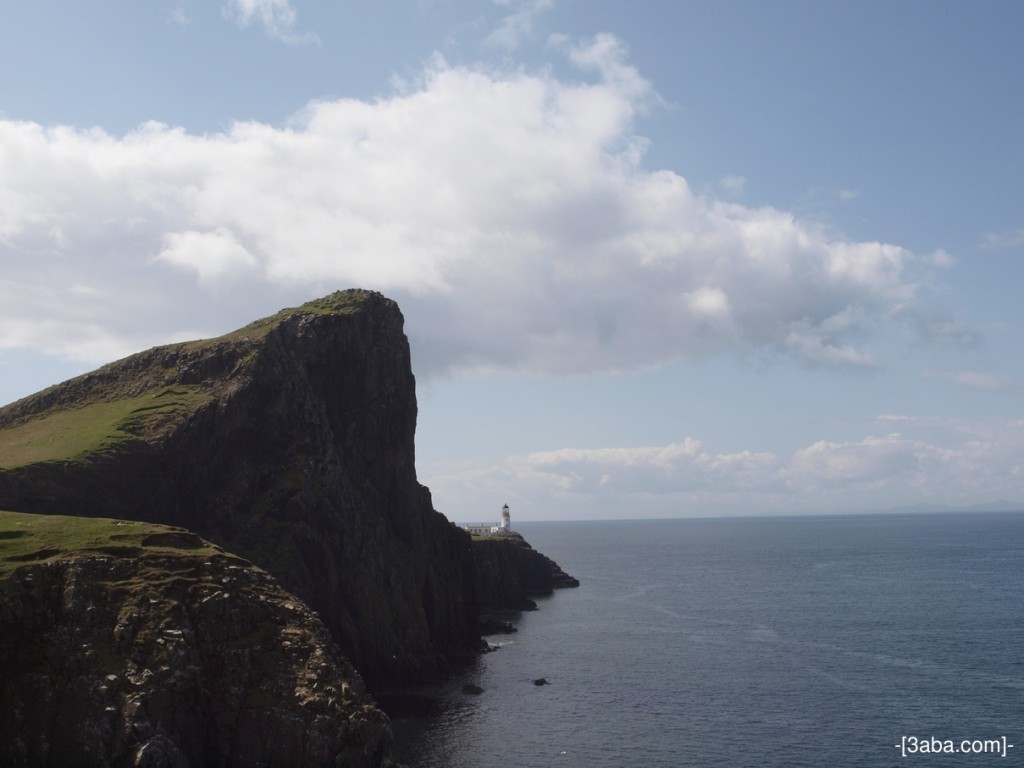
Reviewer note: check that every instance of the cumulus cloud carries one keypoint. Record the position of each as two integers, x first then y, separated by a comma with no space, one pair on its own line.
872,460
510,214
210,255
606,55
956,463
663,469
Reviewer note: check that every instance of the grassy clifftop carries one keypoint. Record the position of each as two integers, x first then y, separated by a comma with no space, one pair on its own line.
338,303
142,397
33,539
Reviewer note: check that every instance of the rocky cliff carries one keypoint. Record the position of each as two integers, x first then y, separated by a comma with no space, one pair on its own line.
509,572
289,442
128,644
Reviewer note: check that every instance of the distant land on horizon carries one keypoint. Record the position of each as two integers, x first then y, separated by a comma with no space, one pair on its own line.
1002,505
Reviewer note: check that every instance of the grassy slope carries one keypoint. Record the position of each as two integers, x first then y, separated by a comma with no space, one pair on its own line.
345,303
104,420
30,539
65,435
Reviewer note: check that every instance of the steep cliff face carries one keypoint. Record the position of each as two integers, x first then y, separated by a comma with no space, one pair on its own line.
129,644
509,572
289,442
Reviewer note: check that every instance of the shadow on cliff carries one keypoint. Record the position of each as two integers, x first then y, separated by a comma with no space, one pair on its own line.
289,442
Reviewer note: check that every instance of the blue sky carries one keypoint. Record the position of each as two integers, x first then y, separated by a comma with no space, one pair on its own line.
656,259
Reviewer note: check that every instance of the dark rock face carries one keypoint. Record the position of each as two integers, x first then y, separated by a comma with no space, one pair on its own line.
173,661
291,443
509,571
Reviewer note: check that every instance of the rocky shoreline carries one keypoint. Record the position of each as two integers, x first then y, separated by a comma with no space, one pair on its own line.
509,573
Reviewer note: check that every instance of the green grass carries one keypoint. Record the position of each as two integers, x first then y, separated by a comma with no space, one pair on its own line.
495,537
76,432
341,303
118,412
27,539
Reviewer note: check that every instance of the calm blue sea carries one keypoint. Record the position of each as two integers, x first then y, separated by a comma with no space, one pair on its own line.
751,642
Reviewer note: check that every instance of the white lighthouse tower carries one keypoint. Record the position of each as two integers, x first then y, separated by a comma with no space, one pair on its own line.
506,520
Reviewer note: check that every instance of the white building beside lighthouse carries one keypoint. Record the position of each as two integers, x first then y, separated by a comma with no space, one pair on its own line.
486,529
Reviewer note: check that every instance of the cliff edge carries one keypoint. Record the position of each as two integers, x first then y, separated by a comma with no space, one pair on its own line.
128,644
509,572
289,442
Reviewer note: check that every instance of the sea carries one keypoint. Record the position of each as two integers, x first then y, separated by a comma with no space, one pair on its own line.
888,640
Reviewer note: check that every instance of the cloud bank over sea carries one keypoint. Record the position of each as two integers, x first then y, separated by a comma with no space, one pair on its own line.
509,212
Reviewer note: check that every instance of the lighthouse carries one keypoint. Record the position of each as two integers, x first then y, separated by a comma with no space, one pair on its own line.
506,520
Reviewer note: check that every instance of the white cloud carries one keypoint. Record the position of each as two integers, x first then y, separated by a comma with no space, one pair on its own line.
509,214
210,255
178,16
814,345
943,259
872,461
519,26
605,55
277,17
959,464
80,342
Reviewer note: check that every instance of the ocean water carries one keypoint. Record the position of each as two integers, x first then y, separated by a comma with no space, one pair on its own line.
822,641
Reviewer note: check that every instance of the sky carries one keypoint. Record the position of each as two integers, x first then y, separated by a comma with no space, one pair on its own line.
656,259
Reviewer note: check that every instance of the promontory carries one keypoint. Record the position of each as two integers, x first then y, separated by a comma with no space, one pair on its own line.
249,475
